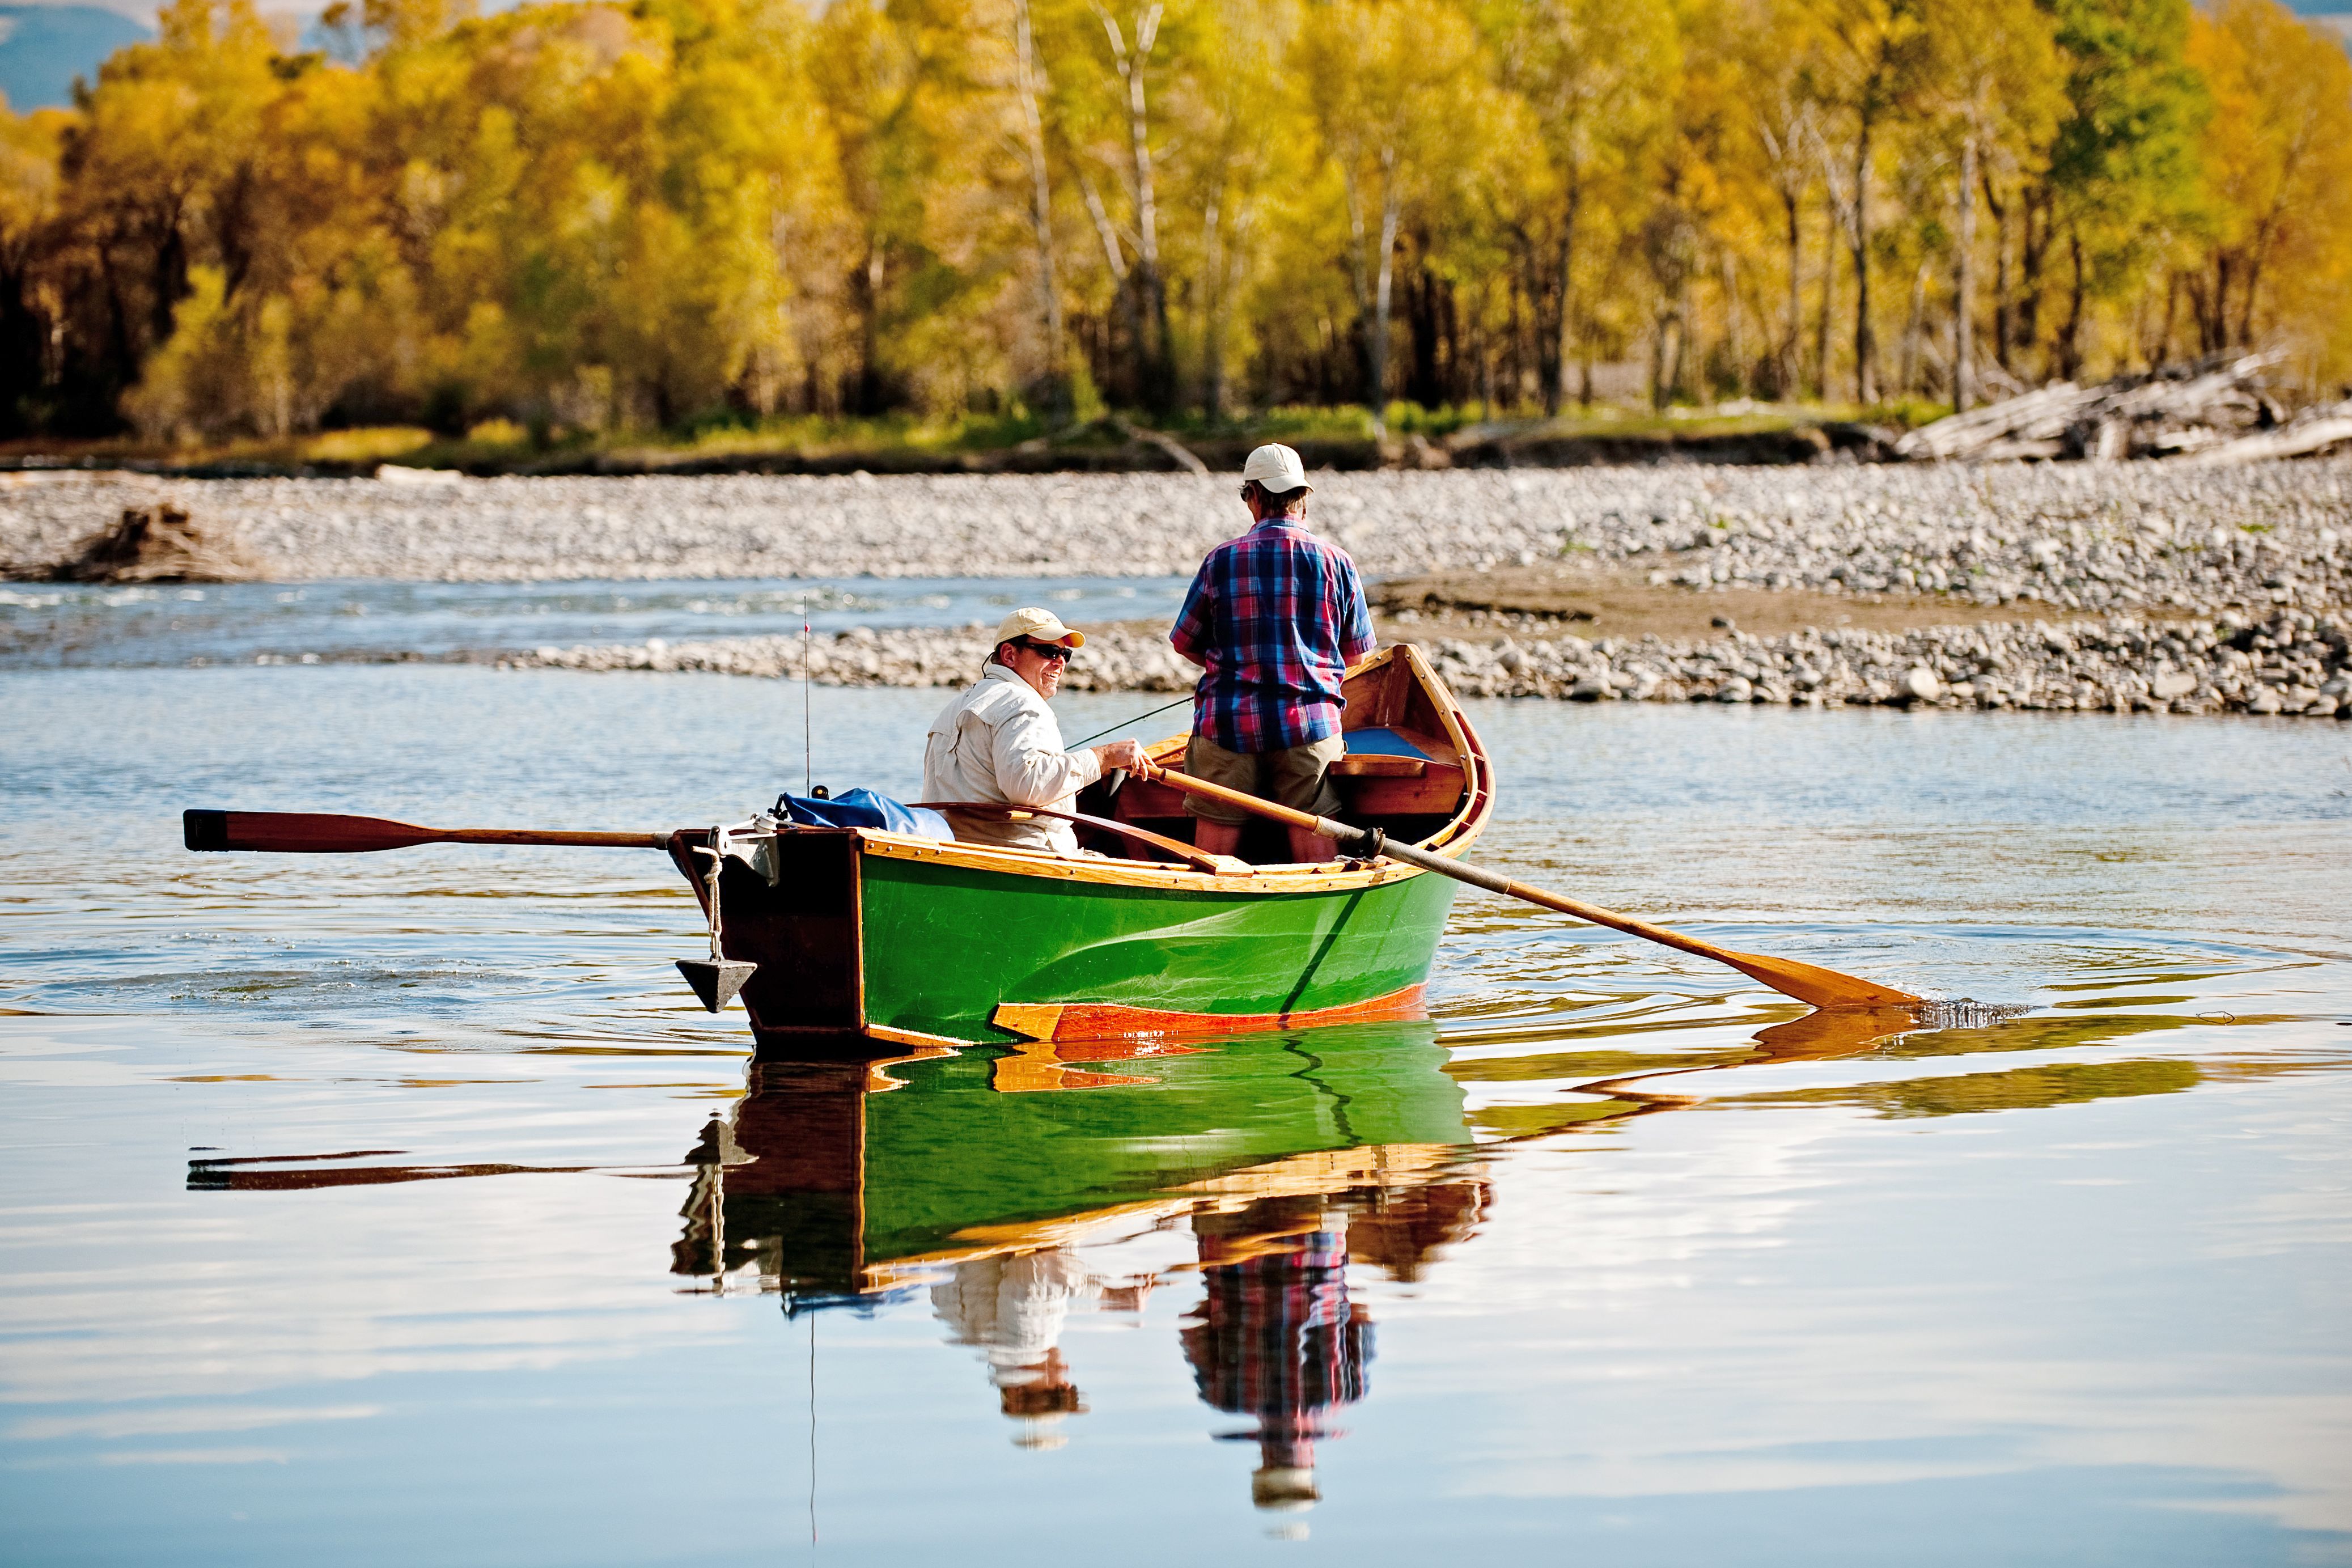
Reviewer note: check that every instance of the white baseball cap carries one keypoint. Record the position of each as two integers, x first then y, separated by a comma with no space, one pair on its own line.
1037,626
1277,467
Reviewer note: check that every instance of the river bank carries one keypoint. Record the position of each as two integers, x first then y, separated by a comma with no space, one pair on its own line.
2100,538
2104,587
2289,663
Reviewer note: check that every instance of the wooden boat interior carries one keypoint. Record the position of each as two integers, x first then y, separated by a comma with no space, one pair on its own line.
1412,768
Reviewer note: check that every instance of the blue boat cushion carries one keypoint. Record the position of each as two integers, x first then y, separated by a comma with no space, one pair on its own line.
1383,743
864,808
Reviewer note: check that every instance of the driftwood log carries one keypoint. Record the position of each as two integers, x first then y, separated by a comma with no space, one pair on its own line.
158,544
2216,408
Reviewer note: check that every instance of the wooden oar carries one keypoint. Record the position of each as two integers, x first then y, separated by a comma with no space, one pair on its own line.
309,833
1808,983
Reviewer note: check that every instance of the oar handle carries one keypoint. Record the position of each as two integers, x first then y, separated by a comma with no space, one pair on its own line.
557,838
1250,803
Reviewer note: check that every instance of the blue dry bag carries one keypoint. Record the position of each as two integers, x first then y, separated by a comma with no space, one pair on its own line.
864,808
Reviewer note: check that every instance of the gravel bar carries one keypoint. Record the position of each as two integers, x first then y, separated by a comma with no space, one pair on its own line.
2168,586
2077,537
2291,663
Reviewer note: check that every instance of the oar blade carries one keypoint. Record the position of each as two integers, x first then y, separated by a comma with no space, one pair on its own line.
1812,984
298,832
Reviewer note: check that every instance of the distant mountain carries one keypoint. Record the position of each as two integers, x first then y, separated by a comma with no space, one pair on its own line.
44,47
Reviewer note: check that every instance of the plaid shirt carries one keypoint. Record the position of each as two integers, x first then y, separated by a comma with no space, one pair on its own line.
1274,618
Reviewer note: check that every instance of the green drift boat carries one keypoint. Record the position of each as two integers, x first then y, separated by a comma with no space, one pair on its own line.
861,931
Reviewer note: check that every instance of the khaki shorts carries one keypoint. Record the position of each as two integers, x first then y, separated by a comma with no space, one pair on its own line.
1298,776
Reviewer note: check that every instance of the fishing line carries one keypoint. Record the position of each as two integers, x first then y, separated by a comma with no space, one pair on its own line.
1139,719
808,748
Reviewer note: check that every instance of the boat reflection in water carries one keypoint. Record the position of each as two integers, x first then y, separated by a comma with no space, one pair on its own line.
1267,1165
1013,1188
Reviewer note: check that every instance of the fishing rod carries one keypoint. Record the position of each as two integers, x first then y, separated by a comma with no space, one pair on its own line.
1139,719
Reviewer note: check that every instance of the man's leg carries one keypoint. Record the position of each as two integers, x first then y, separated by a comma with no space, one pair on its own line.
1302,780
1307,845
1216,837
1235,770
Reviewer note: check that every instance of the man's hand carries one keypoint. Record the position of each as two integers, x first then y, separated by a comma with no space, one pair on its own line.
1128,754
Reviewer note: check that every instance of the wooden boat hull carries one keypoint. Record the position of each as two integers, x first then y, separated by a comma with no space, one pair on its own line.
863,931
859,939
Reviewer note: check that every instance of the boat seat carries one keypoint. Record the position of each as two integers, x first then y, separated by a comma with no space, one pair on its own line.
1398,772
1382,754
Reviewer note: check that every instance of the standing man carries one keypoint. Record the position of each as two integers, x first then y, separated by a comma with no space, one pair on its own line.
999,742
1273,620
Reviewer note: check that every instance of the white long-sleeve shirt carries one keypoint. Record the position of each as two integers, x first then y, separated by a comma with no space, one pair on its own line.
999,742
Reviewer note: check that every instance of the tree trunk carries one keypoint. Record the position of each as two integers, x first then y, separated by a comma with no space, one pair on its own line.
1964,371
1486,350
1040,211
168,285
1866,345
2252,282
1657,361
1680,380
1376,368
2070,344
1557,393
1151,288
1514,375
1908,379
2001,322
1829,307
1114,258
1213,283
1736,323
1790,345
2032,245
866,286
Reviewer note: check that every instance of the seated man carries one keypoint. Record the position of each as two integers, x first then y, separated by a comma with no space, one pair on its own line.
999,742
1273,619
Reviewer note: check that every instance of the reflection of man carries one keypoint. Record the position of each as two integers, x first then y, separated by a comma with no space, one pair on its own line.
1273,620
1276,1339
1013,1308
1000,743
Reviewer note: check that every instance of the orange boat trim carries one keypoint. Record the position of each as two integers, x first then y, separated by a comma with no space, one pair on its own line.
1103,1021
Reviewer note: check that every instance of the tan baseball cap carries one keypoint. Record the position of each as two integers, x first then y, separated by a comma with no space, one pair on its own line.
1038,625
1277,468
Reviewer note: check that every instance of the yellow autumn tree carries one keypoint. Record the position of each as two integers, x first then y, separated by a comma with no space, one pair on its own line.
2277,156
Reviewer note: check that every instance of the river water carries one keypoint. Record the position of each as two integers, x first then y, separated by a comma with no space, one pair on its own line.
406,1209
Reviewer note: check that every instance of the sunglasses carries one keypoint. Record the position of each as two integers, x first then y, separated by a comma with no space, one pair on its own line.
1052,650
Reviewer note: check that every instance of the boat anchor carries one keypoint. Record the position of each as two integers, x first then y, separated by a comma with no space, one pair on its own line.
715,979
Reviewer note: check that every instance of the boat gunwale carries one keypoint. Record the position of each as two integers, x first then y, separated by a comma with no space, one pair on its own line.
1460,830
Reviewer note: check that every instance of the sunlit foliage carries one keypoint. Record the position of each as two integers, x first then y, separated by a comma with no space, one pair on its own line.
681,214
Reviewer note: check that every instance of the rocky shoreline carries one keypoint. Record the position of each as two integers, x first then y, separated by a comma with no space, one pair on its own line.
2081,538
2289,663
2112,587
